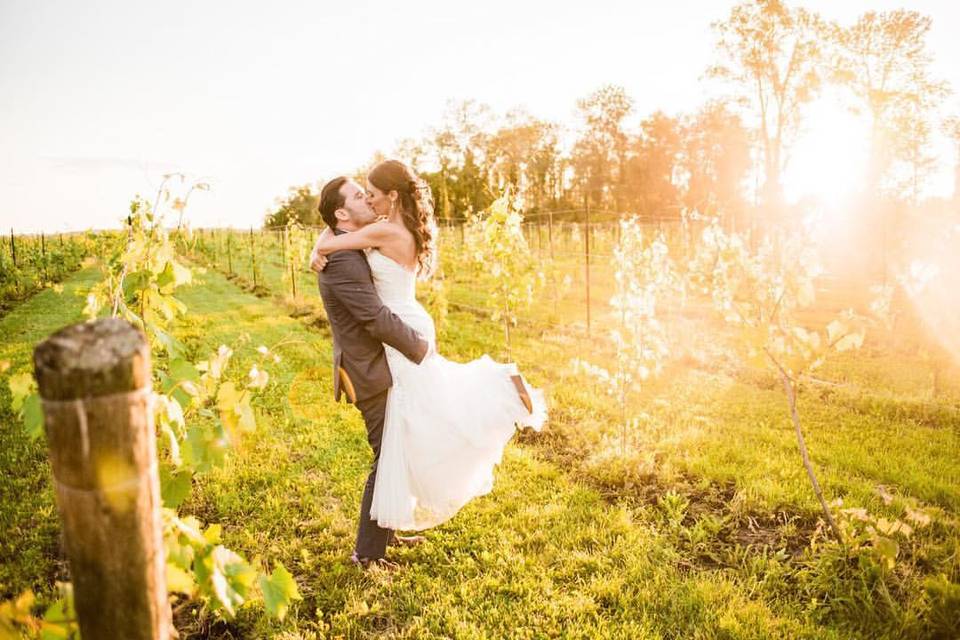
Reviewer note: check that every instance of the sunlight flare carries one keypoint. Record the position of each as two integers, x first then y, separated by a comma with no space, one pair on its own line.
830,158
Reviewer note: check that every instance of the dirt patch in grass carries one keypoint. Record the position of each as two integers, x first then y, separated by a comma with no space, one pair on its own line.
703,500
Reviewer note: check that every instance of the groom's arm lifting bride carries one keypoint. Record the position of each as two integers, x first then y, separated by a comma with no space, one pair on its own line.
361,324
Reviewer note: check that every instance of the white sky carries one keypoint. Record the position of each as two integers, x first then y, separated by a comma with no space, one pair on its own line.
98,99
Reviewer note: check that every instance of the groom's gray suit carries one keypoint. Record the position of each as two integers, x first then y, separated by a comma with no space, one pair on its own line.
361,325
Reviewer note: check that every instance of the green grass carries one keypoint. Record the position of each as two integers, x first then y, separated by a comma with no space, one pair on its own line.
29,549
702,530
541,553
719,437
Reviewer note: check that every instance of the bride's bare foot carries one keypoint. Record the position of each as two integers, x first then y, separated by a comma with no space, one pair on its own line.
522,392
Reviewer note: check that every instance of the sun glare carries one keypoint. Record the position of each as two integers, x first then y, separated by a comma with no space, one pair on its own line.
829,160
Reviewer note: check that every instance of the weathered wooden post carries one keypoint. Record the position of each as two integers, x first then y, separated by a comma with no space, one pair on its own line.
94,379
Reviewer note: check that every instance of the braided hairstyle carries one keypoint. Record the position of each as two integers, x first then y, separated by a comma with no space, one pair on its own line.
416,207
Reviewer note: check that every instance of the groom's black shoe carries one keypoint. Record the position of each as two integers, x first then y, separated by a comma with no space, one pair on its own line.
522,392
406,541
367,563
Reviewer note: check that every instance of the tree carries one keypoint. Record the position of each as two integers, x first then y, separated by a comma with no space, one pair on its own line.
410,151
773,54
761,293
455,147
650,184
715,161
883,61
300,206
497,249
644,276
951,127
522,154
600,154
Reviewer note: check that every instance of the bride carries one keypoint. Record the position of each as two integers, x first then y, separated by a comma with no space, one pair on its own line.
446,423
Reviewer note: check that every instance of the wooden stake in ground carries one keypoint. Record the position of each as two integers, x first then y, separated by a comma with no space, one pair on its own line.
94,379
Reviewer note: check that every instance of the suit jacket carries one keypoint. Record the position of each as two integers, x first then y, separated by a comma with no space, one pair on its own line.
361,325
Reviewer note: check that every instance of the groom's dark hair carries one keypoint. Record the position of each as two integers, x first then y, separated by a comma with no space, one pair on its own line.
330,200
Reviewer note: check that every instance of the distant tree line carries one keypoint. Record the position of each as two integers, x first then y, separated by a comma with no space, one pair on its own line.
727,158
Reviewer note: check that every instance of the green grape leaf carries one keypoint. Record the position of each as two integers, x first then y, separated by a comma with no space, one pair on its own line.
134,282
21,386
179,581
213,533
60,618
179,551
279,590
248,420
175,485
224,577
180,381
203,450
173,442
230,402
180,370
33,416
228,396
181,275
171,345
166,280
887,550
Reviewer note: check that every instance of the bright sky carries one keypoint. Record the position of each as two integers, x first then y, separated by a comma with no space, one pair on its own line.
101,98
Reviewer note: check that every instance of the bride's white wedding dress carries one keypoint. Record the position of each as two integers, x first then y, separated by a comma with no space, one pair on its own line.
446,423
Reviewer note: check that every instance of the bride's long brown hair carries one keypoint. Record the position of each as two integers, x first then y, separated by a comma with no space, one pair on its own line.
416,206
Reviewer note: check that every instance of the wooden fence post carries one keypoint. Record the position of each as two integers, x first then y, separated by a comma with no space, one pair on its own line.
586,259
550,233
294,266
43,255
13,248
253,259
94,379
539,236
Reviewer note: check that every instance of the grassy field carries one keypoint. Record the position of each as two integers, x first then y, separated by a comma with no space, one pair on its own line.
705,528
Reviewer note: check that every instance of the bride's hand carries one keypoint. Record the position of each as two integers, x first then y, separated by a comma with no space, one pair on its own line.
318,263
318,260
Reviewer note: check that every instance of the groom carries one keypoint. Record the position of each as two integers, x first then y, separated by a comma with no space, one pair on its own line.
361,325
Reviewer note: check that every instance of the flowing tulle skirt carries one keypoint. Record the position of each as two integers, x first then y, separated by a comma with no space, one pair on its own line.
445,429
